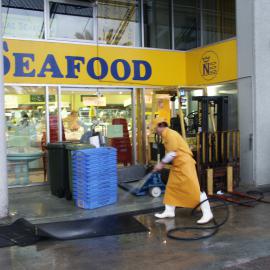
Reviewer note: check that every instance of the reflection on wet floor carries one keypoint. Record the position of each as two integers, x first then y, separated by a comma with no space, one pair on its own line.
243,239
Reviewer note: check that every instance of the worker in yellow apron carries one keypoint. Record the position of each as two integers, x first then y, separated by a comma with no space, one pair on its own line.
183,188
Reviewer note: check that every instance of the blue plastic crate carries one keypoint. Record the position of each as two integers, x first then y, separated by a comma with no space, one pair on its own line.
108,191
95,152
86,181
93,184
92,188
94,167
89,199
95,198
93,163
101,189
97,171
96,195
103,167
94,174
92,197
94,204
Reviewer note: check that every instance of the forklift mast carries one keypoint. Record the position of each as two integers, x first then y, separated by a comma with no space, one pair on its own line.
219,105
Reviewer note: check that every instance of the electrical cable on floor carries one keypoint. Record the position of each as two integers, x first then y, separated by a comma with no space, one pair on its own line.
250,203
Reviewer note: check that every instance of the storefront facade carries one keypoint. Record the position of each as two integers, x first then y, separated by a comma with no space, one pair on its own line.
104,60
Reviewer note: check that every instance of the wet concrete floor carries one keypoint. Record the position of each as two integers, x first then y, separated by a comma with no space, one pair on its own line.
37,205
242,243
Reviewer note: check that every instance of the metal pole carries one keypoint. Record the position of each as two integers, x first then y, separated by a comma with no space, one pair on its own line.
172,24
46,20
47,115
181,116
59,106
3,154
142,24
134,126
143,125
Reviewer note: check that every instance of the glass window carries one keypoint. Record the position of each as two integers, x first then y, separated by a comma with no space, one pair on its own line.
103,112
25,126
22,18
71,21
228,20
186,24
218,20
119,22
157,24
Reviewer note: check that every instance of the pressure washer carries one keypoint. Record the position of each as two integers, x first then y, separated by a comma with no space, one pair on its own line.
151,183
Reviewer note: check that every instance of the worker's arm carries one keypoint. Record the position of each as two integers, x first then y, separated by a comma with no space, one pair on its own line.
167,159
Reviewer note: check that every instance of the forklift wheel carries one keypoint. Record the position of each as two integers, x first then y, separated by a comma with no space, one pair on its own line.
155,191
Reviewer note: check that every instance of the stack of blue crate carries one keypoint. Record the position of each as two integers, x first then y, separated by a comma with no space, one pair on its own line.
94,175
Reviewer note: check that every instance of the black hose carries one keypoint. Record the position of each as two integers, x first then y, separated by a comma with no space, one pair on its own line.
249,203
215,227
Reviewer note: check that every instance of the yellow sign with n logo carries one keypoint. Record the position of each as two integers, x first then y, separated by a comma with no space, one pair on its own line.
212,64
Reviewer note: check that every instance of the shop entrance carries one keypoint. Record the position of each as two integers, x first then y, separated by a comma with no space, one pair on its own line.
29,108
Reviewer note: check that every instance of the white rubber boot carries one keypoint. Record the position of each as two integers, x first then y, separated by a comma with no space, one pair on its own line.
168,213
206,210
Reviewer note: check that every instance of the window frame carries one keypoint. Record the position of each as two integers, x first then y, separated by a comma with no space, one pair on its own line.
69,2
27,38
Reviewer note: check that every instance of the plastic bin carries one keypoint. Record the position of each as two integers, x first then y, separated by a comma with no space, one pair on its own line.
73,147
58,169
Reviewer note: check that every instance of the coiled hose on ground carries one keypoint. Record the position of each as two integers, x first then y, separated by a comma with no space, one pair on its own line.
259,197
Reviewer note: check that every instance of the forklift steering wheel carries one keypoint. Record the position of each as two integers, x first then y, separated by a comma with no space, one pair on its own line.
158,139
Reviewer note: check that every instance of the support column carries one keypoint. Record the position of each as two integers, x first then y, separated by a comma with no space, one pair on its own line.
3,155
47,115
261,99
134,127
139,126
143,126
246,90
253,83
59,107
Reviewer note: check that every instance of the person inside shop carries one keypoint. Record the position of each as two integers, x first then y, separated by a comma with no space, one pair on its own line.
73,121
182,189
24,122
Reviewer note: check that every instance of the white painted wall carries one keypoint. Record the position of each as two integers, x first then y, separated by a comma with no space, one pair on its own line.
246,106
253,35
262,90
